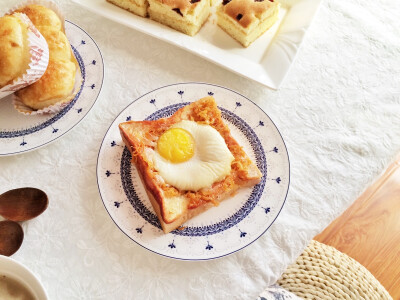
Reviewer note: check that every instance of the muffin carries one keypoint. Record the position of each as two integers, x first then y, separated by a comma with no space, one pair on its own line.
24,53
14,49
41,16
57,85
187,16
54,86
246,20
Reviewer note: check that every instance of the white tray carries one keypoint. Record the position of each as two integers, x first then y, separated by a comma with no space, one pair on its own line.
266,61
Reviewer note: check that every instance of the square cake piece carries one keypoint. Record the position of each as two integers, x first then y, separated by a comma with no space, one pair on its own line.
186,16
189,162
246,20
138,7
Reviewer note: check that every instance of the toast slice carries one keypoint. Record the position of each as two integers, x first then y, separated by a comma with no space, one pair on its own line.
173,206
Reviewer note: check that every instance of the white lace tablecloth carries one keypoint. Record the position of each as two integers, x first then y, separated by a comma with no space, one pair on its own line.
338,112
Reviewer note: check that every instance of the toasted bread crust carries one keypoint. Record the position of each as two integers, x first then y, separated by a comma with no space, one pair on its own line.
137,135
152,189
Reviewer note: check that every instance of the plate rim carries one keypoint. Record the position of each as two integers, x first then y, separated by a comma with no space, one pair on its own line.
179,258
83,117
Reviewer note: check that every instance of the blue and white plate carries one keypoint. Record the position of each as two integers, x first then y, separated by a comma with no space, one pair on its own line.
222,230
20,133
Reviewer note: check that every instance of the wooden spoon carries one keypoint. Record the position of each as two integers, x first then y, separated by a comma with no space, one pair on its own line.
23,204
11,237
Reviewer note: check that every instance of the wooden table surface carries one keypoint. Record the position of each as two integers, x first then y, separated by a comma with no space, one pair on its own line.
369,230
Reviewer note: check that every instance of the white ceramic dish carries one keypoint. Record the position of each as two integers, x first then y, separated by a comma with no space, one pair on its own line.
15,270
266,61
236,222
20,133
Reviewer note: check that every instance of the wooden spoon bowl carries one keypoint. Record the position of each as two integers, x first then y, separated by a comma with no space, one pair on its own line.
11,237
23,204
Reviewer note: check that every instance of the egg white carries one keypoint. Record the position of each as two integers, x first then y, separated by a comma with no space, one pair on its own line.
210,163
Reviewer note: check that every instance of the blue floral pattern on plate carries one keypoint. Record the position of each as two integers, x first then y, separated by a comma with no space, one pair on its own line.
236,222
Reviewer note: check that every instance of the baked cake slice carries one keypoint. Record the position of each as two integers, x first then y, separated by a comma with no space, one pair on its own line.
175,203
186,16
138,7
246,20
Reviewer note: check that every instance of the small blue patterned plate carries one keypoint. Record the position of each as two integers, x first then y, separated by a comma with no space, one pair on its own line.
222,230
20,133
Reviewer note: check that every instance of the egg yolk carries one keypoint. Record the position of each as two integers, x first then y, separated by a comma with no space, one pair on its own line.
176,145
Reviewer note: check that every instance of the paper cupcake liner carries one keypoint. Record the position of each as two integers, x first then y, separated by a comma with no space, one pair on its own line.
62,103
52,109
47,3
39,59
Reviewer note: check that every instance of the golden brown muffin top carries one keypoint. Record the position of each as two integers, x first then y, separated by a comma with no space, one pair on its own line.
14,51
246,12
41,16
59,46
